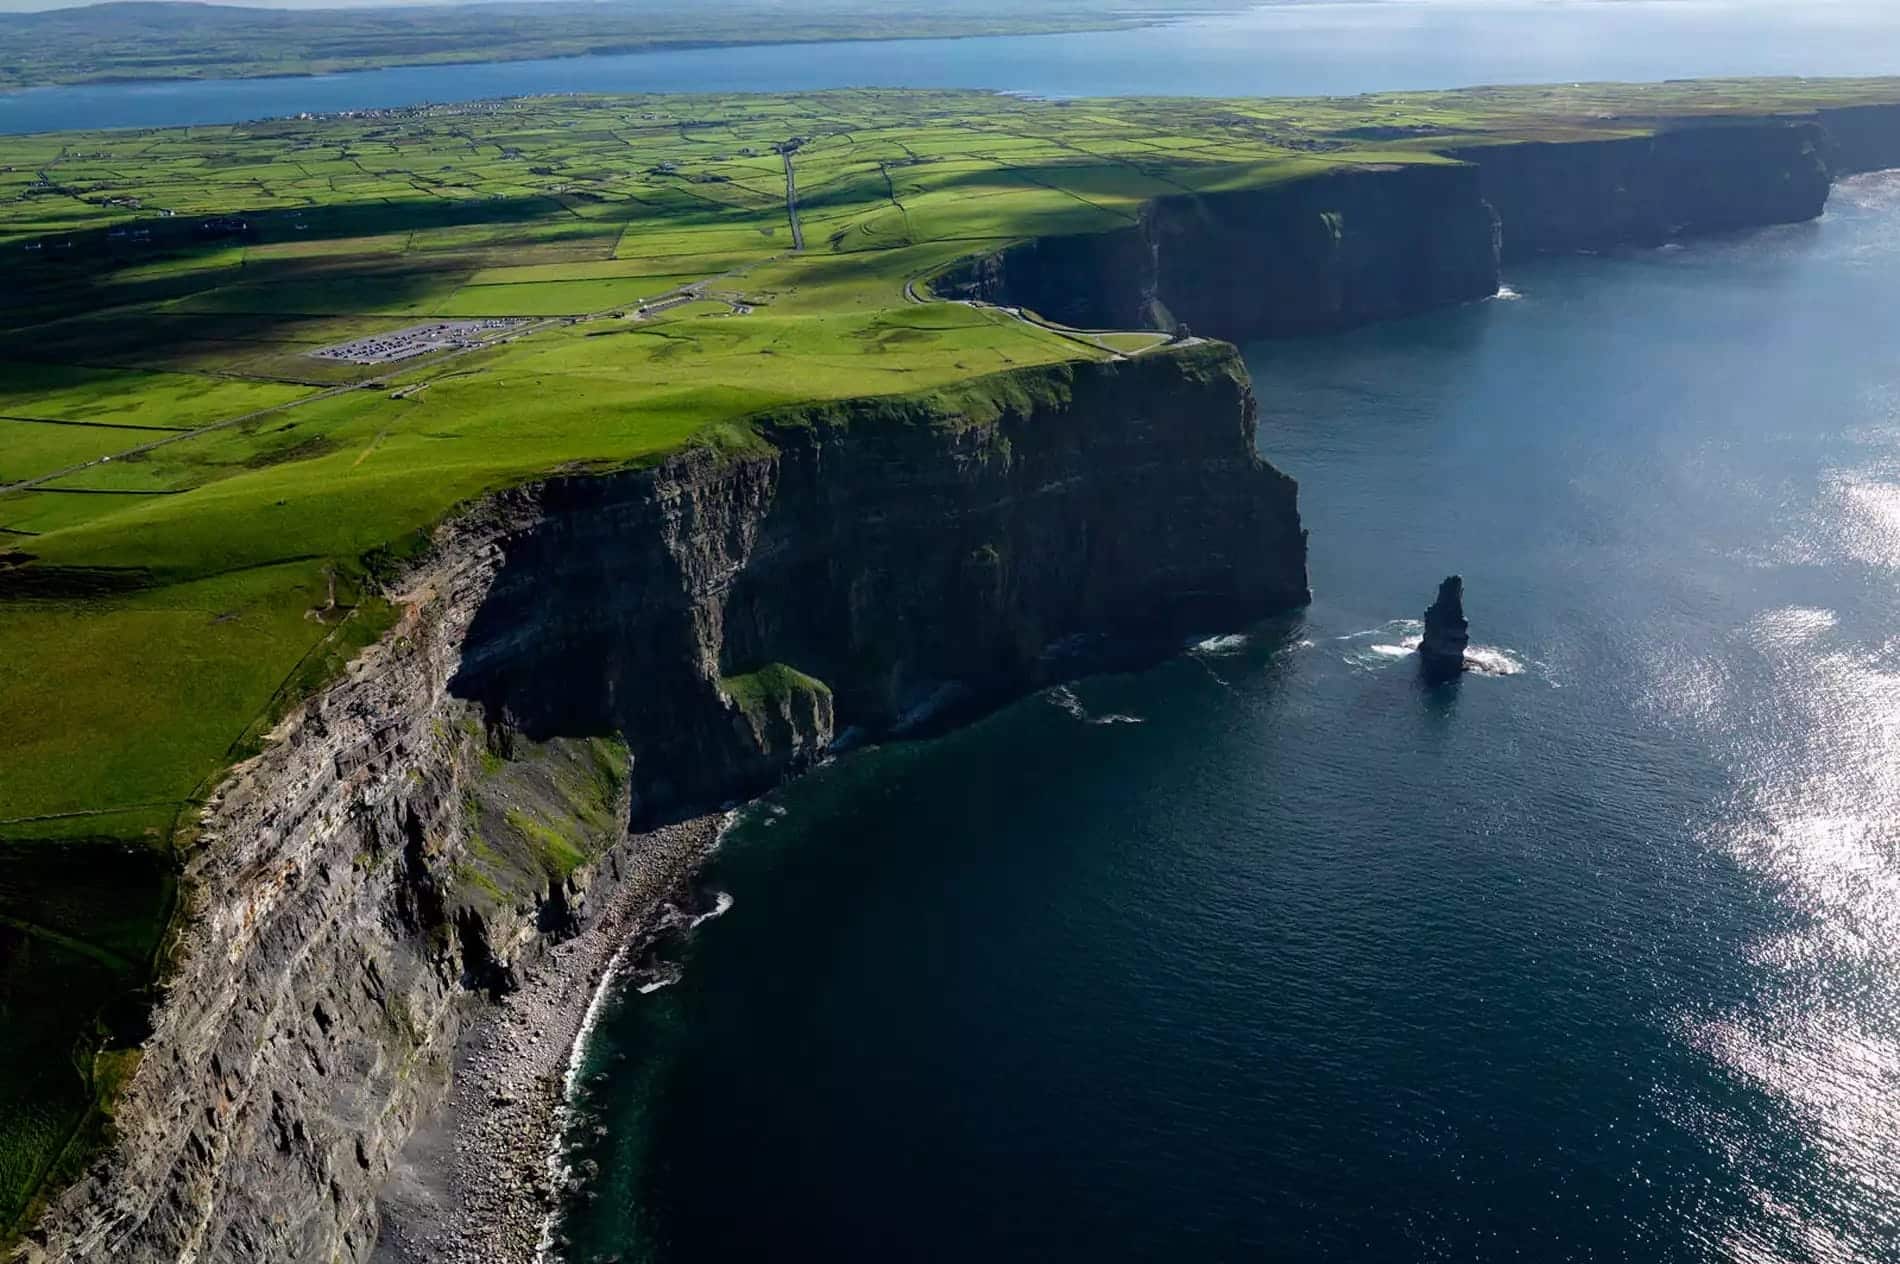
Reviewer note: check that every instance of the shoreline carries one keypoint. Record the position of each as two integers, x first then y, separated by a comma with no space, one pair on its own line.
477,1183
500,57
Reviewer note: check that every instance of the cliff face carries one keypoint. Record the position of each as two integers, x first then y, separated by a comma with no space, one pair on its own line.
1309,256
905,555
369,874
1372,243
1649,190
1861,138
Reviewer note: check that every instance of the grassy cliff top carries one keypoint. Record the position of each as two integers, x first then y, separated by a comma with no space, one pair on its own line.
169,287
193,505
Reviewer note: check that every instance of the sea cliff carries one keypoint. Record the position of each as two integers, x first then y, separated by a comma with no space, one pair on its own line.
1648,190
1861,138
1308,256
634,646
1371,243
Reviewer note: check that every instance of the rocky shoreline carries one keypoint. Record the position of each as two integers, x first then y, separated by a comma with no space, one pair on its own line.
474,1186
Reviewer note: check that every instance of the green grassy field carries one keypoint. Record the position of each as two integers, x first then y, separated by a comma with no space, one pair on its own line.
159,609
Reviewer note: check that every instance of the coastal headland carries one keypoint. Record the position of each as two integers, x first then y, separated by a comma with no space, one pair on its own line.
407,686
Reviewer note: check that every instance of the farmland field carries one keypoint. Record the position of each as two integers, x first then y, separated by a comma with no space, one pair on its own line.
167,289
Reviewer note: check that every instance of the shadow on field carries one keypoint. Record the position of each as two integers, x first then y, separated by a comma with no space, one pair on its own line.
80,923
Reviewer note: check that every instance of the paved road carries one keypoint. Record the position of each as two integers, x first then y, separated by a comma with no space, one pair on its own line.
791,202
1084,337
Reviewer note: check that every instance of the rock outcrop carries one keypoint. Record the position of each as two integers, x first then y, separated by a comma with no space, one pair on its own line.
1441,652
593,648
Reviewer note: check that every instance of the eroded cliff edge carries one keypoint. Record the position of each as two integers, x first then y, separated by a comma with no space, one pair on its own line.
591,649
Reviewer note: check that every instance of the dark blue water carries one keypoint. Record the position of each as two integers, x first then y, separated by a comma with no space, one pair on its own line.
1289,49
1274,953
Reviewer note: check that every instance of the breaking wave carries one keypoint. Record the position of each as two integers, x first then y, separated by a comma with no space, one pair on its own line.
722,901
1375,649
1064,698
652,981
1233,643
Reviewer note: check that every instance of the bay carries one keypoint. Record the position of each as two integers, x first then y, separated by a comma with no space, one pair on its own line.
1288,49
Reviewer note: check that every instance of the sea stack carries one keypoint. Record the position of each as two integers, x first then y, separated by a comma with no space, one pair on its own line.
1442,652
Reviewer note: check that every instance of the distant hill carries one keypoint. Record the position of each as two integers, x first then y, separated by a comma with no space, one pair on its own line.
144,39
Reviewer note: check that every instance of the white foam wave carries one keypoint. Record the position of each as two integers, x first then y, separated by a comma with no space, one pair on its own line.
1232,643
1488,660
662,979
722,902
1064,698
1414,628
559,1172
1376,649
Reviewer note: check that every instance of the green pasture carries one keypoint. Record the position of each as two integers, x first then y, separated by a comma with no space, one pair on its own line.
161,401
